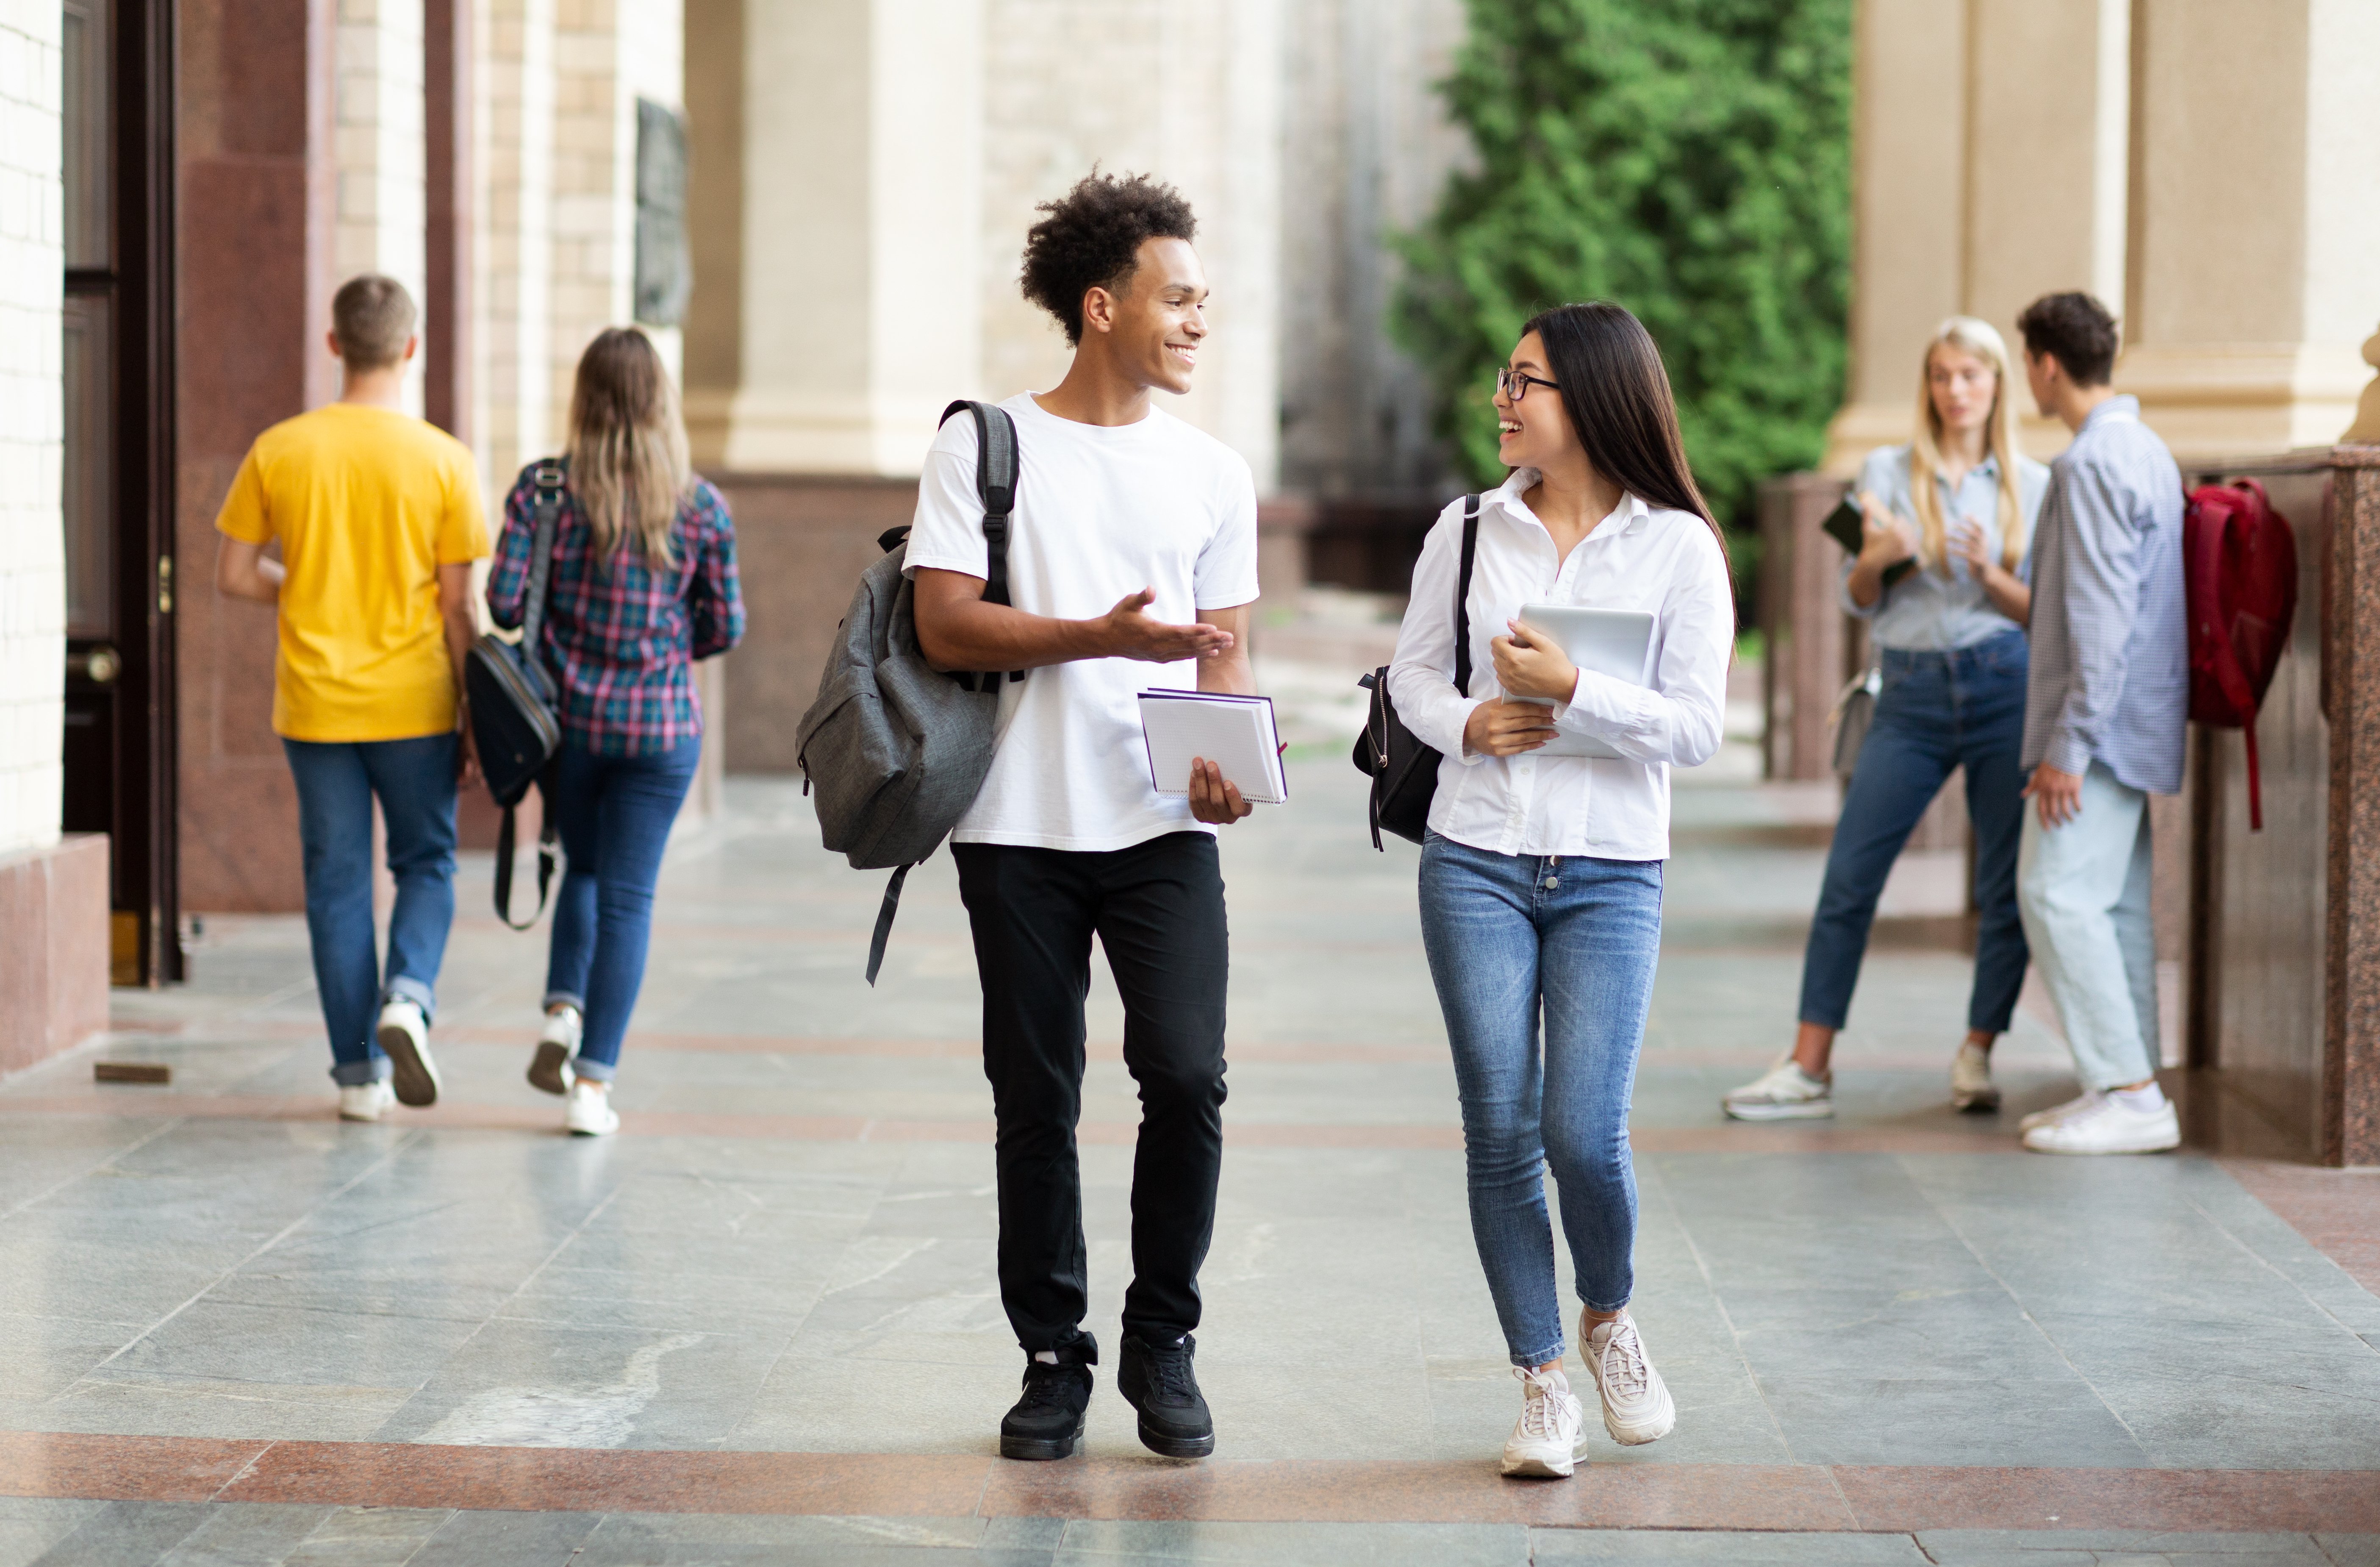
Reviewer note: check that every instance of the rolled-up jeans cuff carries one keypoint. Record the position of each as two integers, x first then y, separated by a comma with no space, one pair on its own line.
356,1073
565,998
593,1071
405,987
1543,1357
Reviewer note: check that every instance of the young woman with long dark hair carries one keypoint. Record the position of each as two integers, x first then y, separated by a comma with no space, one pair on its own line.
643,583
1541,876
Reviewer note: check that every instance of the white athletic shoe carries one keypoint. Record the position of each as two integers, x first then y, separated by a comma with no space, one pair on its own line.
1970,1080
1784,1092
2059,1112
1637,1404
549,1070
589,1112
365,1101
2110,1126
1544,1439
405,1038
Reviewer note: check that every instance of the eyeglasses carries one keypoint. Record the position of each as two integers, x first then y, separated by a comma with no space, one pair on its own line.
1515,385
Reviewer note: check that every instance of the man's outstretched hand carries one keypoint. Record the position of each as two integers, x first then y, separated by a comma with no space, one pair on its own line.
1128,631
1214,799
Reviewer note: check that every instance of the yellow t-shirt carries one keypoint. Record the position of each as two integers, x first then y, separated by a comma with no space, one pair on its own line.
368,504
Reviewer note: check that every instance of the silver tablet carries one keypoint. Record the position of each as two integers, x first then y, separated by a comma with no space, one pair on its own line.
1614,642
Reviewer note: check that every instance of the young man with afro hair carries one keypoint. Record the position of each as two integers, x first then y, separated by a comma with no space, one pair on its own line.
1132,564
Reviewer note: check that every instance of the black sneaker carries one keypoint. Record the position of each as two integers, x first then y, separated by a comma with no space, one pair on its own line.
1047,1422
1157,1379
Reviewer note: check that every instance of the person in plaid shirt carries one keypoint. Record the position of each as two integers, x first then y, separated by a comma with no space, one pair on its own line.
642,584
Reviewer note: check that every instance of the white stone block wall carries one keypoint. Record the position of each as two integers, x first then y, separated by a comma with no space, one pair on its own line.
515,161
33,545
382,218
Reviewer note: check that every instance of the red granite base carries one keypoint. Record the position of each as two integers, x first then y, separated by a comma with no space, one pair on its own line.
53,949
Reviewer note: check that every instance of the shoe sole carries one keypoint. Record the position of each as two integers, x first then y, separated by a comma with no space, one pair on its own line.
1821,1110
546,1068
1042,1450
1175,1447
1540,1469
361,1120
410,1073
1637,1436
1976,1104
2086,1153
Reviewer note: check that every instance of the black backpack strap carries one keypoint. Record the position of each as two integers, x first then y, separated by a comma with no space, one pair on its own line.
884,921
1462,595
548,834
996,472
549,478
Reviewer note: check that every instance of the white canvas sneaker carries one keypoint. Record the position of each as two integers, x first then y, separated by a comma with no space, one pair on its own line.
1544,1439
403,1035
2059,1112
1784,1092
1637,1404
1970,1080
549,1070
589,1112
365,1101
2110,1126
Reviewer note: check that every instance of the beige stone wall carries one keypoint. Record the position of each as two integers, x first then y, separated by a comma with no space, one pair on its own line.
383,208
32,546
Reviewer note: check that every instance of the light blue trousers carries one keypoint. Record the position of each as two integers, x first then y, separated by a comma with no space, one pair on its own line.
2083,892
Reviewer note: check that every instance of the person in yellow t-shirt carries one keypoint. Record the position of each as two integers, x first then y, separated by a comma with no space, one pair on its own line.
377,520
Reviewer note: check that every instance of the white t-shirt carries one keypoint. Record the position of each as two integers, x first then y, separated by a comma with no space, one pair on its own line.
1102,511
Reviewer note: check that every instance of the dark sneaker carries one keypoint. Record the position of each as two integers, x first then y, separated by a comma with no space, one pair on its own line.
1047,1421
1157,1379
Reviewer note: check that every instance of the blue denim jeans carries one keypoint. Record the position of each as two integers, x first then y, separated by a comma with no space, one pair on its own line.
336,781
1511,938
1936,712
614,814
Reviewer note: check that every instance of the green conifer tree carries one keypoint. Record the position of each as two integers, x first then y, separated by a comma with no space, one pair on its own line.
1689,159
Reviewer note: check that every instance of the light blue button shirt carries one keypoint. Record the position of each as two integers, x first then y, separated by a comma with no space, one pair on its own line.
1928,610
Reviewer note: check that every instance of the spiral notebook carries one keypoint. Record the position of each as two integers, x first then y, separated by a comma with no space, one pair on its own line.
1237,733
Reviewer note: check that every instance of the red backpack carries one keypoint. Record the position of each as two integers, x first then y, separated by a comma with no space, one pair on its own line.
2239,567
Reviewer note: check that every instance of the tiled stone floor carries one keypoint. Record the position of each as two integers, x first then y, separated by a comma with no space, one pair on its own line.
776,1286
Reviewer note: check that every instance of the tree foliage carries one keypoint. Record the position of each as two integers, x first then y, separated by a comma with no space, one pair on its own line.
1689,159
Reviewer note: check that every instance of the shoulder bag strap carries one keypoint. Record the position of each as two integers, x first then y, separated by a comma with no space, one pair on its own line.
549,482
996,472
548,854
1462,595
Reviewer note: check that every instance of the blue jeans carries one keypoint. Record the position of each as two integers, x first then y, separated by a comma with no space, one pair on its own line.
336,781
614,815
1936,712
1510,936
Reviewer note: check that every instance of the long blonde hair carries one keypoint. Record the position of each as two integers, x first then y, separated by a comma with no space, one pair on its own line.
628,463
1981,339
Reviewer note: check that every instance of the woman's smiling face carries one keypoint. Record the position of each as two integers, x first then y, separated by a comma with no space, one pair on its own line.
1533,431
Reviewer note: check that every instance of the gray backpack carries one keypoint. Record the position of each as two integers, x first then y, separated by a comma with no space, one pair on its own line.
895,748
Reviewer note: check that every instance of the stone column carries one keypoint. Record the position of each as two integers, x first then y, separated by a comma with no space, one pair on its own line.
514,191
382,199
2256,220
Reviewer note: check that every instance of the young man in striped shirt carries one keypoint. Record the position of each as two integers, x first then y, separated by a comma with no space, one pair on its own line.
2105,709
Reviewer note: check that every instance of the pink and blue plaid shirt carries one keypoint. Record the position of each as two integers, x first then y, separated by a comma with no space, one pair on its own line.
621,637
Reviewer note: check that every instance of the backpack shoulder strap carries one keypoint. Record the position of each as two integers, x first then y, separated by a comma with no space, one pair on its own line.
996,472
549,478
548,836
1462,595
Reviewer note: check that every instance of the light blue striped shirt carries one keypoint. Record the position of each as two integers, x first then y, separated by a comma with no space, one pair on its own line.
2110,678
1931,611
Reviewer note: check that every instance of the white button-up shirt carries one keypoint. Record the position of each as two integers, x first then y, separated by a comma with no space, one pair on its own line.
1638,558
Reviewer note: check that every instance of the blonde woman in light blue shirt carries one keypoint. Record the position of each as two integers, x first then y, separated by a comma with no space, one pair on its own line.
1959,501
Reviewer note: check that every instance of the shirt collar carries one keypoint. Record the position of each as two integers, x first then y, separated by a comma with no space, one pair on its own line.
1631,511
1989,468
2123,406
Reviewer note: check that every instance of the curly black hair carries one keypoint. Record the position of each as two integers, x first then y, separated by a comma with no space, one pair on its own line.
1090,239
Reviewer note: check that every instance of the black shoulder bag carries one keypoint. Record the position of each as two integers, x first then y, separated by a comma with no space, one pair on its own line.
512,724
1405,772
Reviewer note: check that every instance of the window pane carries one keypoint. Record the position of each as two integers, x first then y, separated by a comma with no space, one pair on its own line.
90,460
90,171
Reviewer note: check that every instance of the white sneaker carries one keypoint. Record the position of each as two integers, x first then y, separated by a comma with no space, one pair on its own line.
549,1070
1784,1092
1970,1080
2110,1126
405,1039
1637,1404
365,1101
588,1113
2059,1112
1544,1439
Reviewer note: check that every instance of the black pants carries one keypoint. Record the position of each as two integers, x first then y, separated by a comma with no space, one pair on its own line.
1158,909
